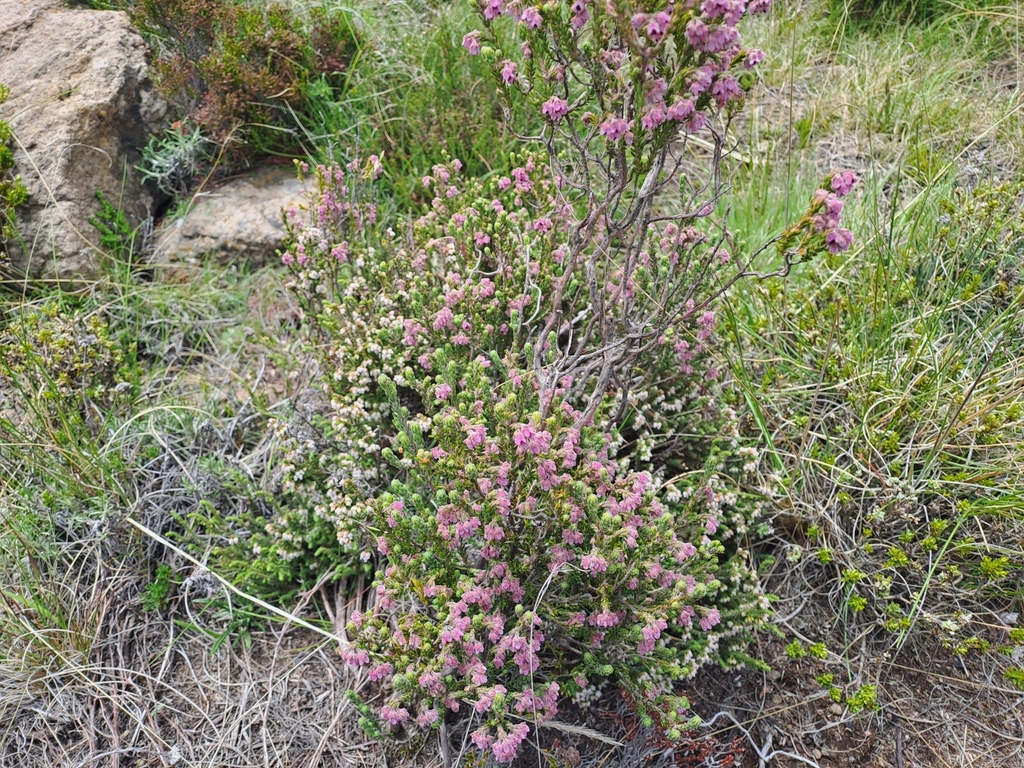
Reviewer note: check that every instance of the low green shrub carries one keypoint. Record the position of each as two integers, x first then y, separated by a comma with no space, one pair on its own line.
173,159
278,80
155,594
54,355
238,73
979,24
872,13
12,191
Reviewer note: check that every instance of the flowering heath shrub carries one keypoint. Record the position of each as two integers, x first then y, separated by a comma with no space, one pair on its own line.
520,557
504,508
514,379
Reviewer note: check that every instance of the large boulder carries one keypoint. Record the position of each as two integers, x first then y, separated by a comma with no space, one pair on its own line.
82,108
239,222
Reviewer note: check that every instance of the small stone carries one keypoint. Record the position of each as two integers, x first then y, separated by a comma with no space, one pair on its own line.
237,223
836,709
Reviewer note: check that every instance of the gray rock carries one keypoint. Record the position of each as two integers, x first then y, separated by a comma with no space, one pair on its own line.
82,108
239,222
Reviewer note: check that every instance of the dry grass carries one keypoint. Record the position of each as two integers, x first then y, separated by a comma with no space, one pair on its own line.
87,676
150,693
935,714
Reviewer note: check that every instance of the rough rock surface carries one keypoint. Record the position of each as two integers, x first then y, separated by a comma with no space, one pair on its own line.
82,108
239,222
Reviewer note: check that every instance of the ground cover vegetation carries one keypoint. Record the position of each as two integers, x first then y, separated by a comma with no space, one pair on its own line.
842,350
515,448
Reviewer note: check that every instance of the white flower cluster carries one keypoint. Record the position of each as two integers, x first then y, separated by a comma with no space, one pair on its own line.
590,694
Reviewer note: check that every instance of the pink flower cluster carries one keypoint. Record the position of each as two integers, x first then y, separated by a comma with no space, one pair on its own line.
546,504
701,74
335,214
505,745
616,128
555,108
828,209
